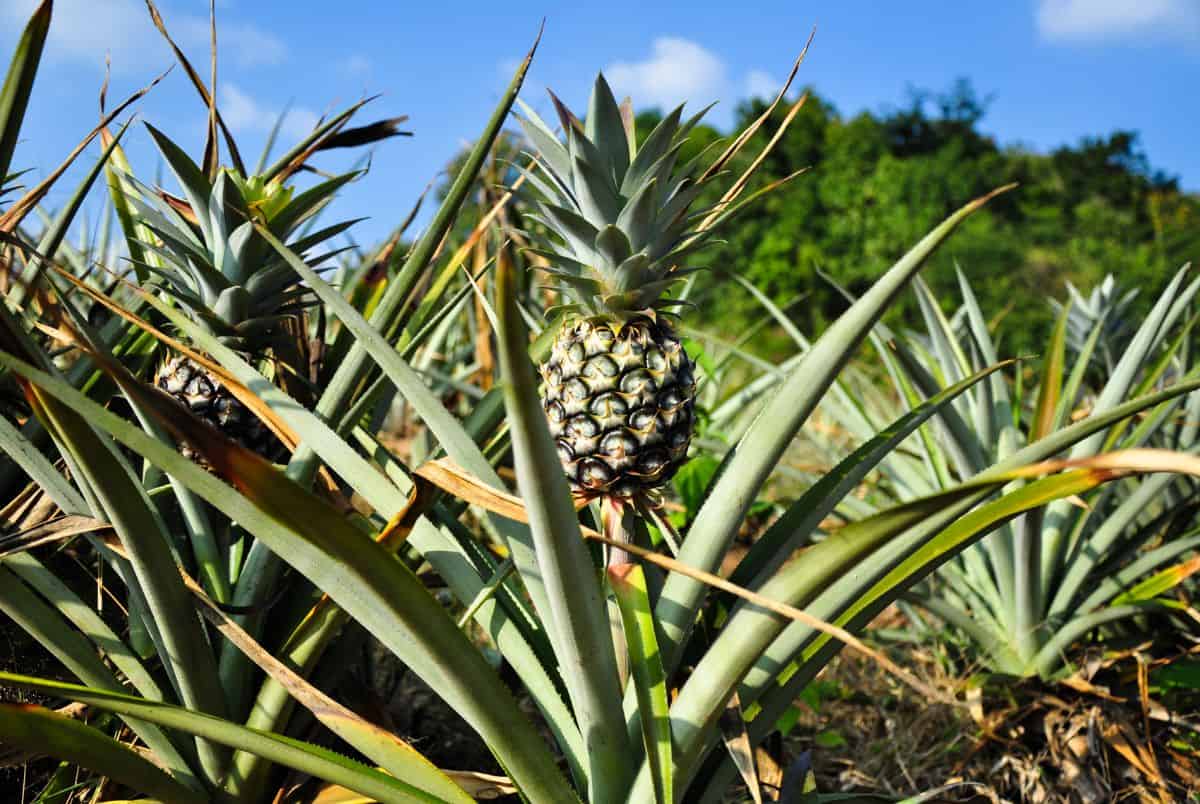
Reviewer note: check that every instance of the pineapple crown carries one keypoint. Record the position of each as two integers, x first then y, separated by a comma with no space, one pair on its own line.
1108,306
618,212
214,261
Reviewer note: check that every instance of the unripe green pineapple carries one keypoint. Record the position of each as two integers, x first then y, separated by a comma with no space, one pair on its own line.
618,387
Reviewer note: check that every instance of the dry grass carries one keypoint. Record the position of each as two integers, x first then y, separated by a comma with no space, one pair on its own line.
1099,737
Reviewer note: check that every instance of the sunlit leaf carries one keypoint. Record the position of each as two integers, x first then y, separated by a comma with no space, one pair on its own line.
36,729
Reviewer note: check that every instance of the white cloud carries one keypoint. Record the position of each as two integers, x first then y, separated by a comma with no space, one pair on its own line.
357,64
86,30
86,27
252,46
247,45
243,113
677,70
761,84
1108,19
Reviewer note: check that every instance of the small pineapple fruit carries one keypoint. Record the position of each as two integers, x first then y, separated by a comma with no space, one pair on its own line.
199,390
231,281
618,387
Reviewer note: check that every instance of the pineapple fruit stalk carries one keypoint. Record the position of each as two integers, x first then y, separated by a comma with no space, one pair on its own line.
619,389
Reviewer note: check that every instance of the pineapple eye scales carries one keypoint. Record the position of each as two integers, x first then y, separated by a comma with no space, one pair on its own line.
619,408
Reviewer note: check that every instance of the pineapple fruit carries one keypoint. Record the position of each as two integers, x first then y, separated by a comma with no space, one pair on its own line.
618,389
201,392
232,282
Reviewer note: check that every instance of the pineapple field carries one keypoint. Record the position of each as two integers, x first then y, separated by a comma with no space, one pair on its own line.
645,459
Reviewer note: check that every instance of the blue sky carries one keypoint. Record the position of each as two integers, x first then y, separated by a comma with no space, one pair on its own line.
1058,69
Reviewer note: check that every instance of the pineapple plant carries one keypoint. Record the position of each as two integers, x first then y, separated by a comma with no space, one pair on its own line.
213,262
618,387
1108,305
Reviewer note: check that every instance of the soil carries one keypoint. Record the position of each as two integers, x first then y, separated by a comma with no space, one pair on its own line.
394,697
21,776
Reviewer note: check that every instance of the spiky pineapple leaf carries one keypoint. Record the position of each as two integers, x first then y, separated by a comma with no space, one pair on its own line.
191,178
797,524
575,611
316,539
545,140
750,631
605,127
292,753
50,629
18,82
56,232
1159,583
747,467
656,145
39,730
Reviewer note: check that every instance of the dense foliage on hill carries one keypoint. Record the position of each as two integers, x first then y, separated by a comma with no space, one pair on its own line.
879,181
